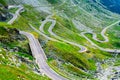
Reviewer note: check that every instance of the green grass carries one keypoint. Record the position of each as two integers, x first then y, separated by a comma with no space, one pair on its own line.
3,31
80,15
25,55
76,70
99,36
52,64
67,34
7,40
3,24
13,10
21,24
69,54
65,22
33,16
13,73
114,36
10,70
46,27
104,45
67,70
117,63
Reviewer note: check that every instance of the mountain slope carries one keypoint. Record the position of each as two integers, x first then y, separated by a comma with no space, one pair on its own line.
62,26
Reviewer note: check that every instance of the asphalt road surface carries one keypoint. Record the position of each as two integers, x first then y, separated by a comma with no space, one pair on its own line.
17,13
40,57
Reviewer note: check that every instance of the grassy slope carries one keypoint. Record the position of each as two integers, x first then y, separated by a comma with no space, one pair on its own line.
113,35
62,49
69,54
65,52
73,56
14,73
88,13
46,27
10,70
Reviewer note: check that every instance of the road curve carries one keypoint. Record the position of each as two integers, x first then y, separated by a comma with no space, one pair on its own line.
105,29
15,16
103,49
82,48
105,37
47,37
103,33
40,57
37,50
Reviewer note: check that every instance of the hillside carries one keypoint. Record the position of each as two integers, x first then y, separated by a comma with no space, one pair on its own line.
79,38
112,5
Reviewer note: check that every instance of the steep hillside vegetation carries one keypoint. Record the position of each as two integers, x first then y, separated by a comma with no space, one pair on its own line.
68,19
16,61
3,2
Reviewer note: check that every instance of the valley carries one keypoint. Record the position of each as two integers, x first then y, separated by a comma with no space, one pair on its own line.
67,40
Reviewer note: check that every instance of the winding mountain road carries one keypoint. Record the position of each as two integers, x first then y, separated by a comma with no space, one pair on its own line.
101,48
82,48
40,57
47,37
106,39
37,50
105,29
104,36
17,13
